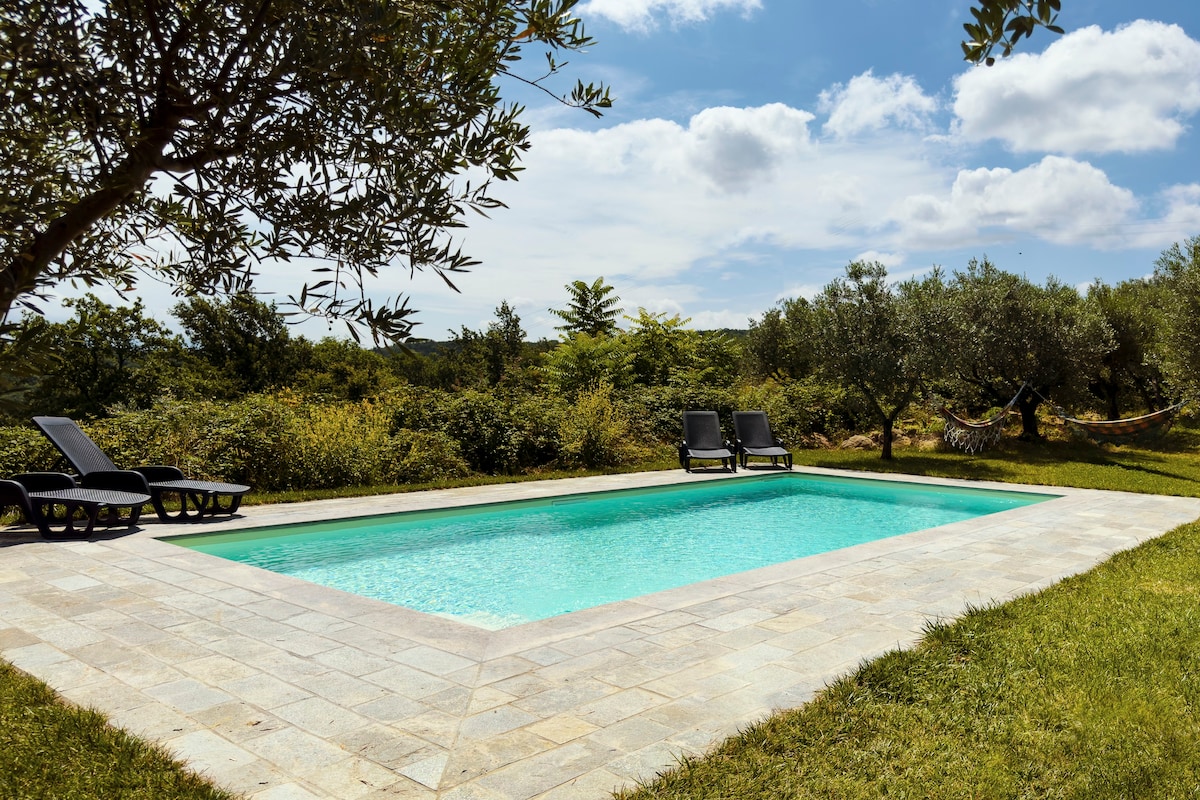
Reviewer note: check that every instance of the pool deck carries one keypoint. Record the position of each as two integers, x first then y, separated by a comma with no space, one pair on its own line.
279,689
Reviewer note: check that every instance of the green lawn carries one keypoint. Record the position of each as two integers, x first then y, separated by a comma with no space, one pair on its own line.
1173,468
1090,689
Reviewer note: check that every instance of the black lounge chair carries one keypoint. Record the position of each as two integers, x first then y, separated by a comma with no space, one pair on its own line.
702,439
97,471
50,499
754,438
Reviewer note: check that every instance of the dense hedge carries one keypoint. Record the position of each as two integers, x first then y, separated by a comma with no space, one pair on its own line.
418,435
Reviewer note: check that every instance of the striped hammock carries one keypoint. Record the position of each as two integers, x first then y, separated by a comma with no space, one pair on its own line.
1122,430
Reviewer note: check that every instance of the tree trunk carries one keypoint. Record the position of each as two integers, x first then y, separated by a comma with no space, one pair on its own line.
886,455
1028,404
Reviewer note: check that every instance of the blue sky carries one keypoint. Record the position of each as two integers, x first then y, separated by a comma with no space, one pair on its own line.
757,146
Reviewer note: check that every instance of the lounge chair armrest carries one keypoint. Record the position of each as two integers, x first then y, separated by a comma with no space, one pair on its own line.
120,480
161,472
44,481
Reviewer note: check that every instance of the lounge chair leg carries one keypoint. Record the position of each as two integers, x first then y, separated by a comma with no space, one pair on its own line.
68,531
198,500
215,507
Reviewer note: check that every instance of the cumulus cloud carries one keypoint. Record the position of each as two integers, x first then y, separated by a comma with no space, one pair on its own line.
654,205
1059,199
867,103
739,148
1180,218
889,260
1093,91
643,14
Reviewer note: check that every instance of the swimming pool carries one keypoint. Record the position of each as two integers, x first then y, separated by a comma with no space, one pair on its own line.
504,564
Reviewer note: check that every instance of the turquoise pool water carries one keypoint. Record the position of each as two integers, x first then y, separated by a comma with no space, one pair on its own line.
505,564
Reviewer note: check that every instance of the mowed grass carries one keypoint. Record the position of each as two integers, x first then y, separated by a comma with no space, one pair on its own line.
1089,689
1171,467
50,749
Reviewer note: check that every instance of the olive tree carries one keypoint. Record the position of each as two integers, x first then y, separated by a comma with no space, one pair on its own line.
780,344
1005,333
1134,310
868,338
196,141
1177,270
1003,23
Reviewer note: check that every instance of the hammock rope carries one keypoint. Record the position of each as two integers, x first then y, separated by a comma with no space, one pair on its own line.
971,437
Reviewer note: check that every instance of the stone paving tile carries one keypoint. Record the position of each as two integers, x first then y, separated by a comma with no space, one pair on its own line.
187,695
238,721
281,689
321,717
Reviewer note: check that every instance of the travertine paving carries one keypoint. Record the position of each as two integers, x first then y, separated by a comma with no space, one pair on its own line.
280,689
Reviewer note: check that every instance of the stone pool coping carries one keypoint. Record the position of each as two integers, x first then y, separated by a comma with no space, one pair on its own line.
279,689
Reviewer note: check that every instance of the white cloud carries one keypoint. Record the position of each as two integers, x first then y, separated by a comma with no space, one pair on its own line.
889,260
1090,91
718,320
1059,200
665,211
867,103
738,148
643,14
809,291
1180,218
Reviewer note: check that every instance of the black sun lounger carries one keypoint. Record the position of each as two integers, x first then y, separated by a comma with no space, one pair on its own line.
754,438
702,439
50,499
97,471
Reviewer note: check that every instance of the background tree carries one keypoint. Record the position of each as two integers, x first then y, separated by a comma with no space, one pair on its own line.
272,130
1177,270
584,363
107,357
26,354
664,351
866,338
780,344
243,341
337,368
1006,331
1133,311
480,359
591,309
504,345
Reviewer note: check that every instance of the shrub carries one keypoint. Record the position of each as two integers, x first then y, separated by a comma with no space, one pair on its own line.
340,444
660,408
425,457
485,430
800,409
24,449
598,433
